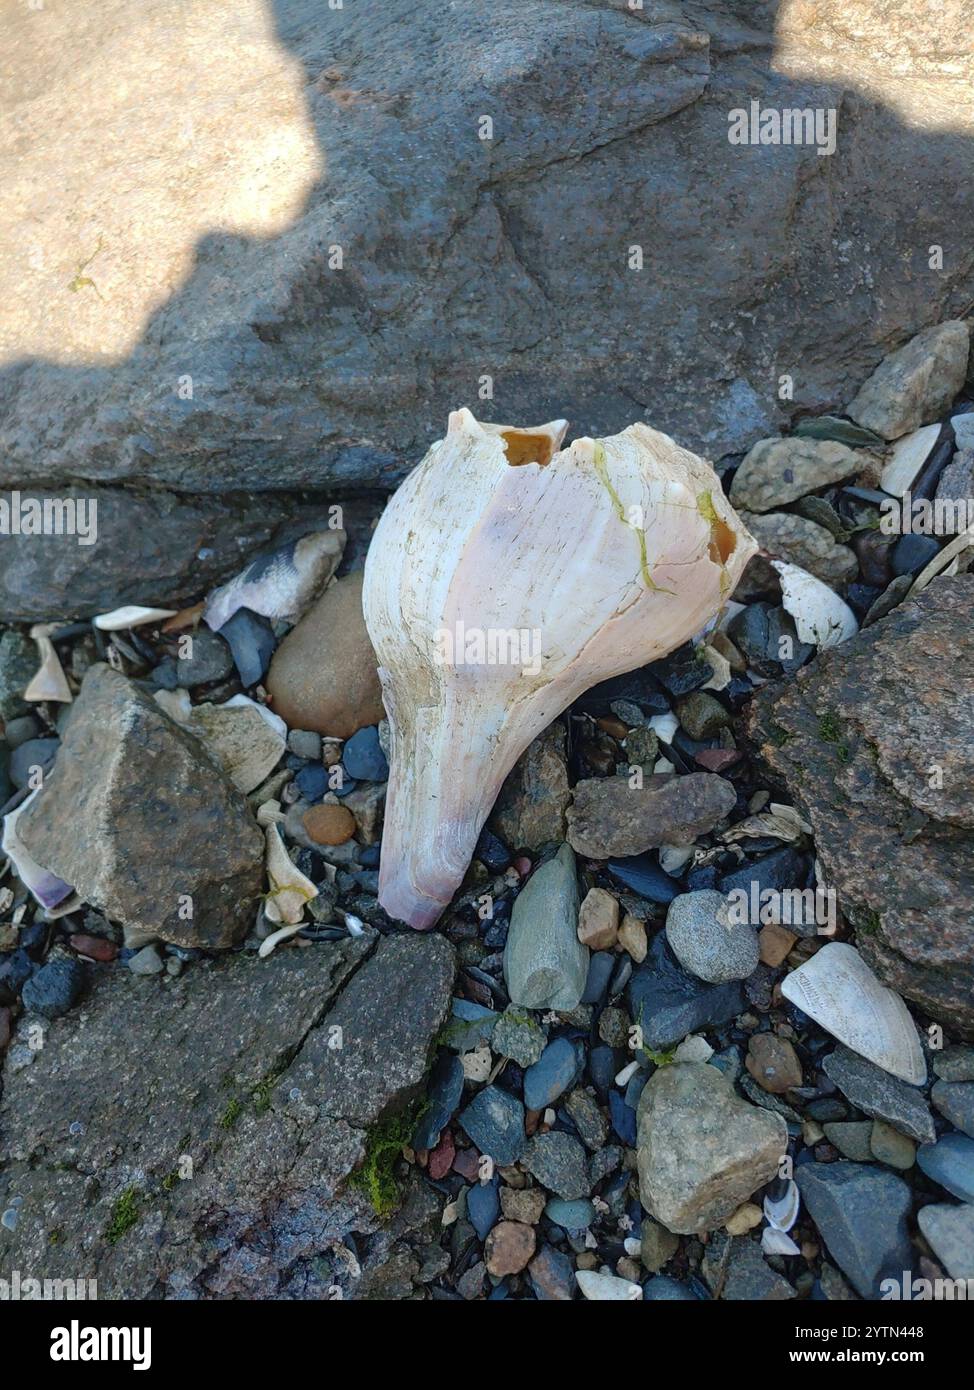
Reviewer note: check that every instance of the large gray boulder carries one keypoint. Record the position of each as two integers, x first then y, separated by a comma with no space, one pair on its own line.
174,310
193,1138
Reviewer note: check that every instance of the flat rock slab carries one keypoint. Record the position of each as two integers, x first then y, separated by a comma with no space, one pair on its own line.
861,1215
187,1138
874,742
608,817
141,821
200,278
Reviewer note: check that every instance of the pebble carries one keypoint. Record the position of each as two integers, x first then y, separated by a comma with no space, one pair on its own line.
912,552
363,757
954,1063
668,1003
598,920
18,731
880,1095
852,1138
607,1288
251,640
470,1285
508,1248
665,1289
146,962
632,938
774,944
312,782
18,665
804,543
305,744
778,471
525,1204
949,1231
329,825
783,868
704,945
16,967
558,1162
558,1067
587,1118
443,1094
701,715
55,987
773,1063
861,1214
914,385
950,1162
955,1101
571,1216
210,659
94,947
484,1206
494,1121
35,753
623,1119
684,670
519,1037
644,876
890,1147
657,1245
545,964
744,1219
552,1276
609,818
441,1157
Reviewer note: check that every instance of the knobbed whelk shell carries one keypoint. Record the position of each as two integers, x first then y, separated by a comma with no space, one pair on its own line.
504,579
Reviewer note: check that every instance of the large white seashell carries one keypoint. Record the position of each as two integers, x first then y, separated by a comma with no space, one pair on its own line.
821,617
839,991
503,580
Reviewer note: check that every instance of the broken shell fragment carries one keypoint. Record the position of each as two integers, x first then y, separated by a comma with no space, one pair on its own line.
838,990
50,682
289,888
46,888
782,1212
506,577
821,617
131,616
776,1242
282,584
907,457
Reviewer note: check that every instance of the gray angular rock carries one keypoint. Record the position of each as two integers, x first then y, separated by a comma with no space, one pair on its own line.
18,664
701,1150
141,821
861,1215
955,1101
610,818
916,383
950,1232
880,1095
558,1162
494,1120
668,1004
804,543
530,809
778,471
227,1108
852,742
545,964
709,947
737,1271
950,1162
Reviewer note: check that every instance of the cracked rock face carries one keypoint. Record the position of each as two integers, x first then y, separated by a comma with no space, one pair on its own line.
874,742
223,1112
455,261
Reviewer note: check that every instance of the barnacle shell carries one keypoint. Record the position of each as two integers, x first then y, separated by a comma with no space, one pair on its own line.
504,579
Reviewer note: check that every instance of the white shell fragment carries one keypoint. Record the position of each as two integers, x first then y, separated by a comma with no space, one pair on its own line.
720,666
50,682
505,578
776,1242
782,1212
46,888
664,726
280,585
246,739
838,990
289,889
944,561
821,617
271,942
907,457
783,822
131,616
607,1288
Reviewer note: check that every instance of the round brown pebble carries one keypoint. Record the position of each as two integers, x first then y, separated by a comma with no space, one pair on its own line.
509,1247
329,825
773,1063
94,947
